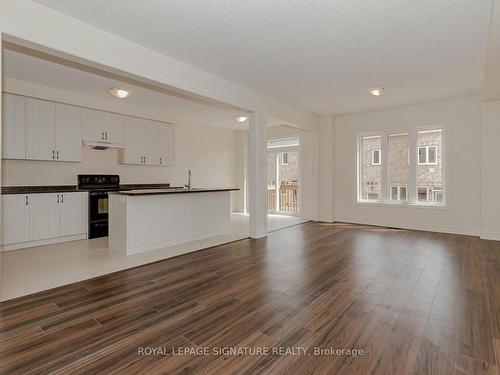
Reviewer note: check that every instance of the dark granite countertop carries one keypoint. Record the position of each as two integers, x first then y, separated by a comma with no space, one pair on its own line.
172,190
39,189
35,189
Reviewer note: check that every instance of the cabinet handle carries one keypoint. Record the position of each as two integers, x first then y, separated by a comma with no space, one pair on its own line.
57,198
53,154
102,136
57,152
62,198
160,160
106,136
26,200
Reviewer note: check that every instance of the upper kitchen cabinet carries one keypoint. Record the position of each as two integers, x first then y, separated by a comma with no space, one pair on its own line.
68,132
14,127
100,126
40,129
135,136
147,142
37,129
166,145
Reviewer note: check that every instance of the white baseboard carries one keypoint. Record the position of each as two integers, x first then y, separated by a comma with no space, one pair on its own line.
413,226
490,236
47,241
174,242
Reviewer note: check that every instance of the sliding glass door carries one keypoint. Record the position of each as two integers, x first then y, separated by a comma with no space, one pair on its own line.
283,167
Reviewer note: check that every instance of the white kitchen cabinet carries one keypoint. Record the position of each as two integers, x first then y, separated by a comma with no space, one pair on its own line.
40,129
38,219
73,213
68,133
100,126
134,141
44,216
148,142
166,145
14,126
15,218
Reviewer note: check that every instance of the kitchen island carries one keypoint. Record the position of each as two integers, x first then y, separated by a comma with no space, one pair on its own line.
149,219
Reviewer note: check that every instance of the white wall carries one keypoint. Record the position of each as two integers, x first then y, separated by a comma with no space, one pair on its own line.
461,119
210,152
490,171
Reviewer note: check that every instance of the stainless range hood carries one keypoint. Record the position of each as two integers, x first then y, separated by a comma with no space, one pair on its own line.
103,145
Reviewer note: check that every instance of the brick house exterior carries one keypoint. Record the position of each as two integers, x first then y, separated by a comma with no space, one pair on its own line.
287,172
429,176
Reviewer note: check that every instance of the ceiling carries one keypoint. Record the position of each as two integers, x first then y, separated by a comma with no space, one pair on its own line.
323,55
32,69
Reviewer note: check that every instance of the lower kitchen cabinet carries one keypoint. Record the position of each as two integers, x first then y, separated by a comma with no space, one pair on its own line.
15,218
37,219
73,213
44,216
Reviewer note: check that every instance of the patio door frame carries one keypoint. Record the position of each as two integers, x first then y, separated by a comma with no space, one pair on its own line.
279,151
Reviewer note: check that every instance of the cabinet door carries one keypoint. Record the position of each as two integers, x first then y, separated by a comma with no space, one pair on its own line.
113,127
150,147
92,125
73,213
40,129
165,145
134,141
15,218
68,133
14,127
44,216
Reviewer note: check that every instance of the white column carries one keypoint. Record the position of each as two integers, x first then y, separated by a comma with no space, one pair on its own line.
257,174
326,169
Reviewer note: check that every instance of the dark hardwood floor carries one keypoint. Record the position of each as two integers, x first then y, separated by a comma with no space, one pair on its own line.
415,302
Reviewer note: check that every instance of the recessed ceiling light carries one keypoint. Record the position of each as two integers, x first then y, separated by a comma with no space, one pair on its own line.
240,118
379,91
119,93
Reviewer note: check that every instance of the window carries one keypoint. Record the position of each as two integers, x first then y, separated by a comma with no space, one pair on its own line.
402,167
376,157
370,173
284,158
437,196
398,193
427,155
422,194
398,174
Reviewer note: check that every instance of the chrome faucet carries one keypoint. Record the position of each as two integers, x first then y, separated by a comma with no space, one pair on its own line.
188,186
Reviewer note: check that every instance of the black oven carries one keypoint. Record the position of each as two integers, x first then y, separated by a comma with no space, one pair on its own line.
98,187
98,214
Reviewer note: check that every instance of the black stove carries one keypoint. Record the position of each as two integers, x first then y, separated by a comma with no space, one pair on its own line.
98,186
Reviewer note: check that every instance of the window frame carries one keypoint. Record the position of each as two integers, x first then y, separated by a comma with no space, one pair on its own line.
411,188
427,148
399,187
283,158
379,157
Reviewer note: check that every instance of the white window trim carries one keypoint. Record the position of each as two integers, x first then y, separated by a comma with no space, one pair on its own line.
411,190
379,157
426,194
282,158
427,155
399,193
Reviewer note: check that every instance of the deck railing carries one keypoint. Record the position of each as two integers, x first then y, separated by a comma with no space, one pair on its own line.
288,198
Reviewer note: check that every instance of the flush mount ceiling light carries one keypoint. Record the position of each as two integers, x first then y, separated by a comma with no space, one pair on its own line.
119,93
240,118
379,91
